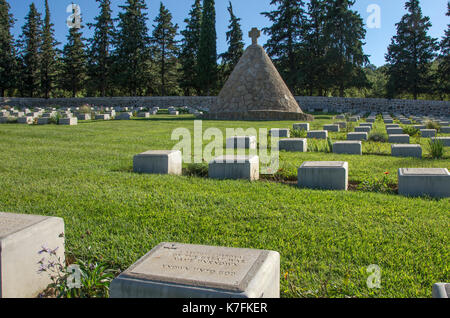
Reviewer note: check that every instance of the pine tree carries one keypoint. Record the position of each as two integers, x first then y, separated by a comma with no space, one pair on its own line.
165,51
444,61
7,60
207,55
132,48
235,44
344,34
285,35
99,52
189,53
410,54
48,58
30,42
313,50
74,67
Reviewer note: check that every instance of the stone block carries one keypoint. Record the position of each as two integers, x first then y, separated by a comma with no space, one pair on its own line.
293,144
84,116
124,116
22,237
324,175
174,270
433,182
234,167
144,115
25,120
174,113
357,136
445,140
445,130
301,126
352,147
394,131
398,139
363,129
366,125
388,121
158,162
241,142
333,128
72,121
393,126
317,134
441,290
279,132
342,124
43,121
404,150
102,117
428,133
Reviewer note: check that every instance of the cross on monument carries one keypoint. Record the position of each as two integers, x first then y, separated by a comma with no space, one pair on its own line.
254,34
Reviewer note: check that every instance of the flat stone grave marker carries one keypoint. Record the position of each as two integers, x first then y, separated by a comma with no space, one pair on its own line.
21,238
433,182
174,270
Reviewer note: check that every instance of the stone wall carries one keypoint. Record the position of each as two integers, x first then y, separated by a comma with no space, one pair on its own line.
332,104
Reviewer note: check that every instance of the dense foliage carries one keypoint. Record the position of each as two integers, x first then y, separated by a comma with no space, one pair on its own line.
317,46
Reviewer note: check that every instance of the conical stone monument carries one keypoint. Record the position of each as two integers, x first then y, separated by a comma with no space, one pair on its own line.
255,90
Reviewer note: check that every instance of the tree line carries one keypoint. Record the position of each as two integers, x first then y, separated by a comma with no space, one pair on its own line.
317,46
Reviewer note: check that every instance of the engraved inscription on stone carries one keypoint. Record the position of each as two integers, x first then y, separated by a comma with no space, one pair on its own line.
10,223
208,266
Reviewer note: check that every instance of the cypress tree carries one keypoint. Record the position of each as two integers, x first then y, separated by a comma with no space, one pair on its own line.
235,44
410,54
165,51
48,61
313,50
189,53
7,59
132,48
444,61
344,34
99,52
207,55
74,62
285,35
30,42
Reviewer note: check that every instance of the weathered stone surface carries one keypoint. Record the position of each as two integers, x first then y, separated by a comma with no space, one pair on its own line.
433,182
428,133
301,126
317,134
241,142
363,129
293,144
279,132
441,290
445,140
326,175
357,136
174,270
352,147
333,127
72,121
255,86
158,162
398,139
234,167
406,150
22,236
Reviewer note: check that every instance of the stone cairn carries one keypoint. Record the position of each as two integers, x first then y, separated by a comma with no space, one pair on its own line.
255,90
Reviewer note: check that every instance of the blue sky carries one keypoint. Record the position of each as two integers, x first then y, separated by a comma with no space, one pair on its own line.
377,39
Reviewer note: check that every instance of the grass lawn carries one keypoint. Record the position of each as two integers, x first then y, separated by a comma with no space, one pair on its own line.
326,239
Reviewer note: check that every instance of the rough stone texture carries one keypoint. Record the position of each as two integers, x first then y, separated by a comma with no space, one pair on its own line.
333,104
433,182
352,147
255,86
234,167
174,270
25,120
317,134
394,131
357,136
293,144
441,290
325,175
43,120
301,126
398,139
21,238
241,142
84,116
102,117
158,162
406,151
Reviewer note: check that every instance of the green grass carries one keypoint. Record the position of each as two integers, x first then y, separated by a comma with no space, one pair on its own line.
326,239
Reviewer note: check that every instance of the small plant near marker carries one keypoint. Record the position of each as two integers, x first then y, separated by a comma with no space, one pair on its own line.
381,185
299,133
436,148
433,125
411,131
378,137
197,170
